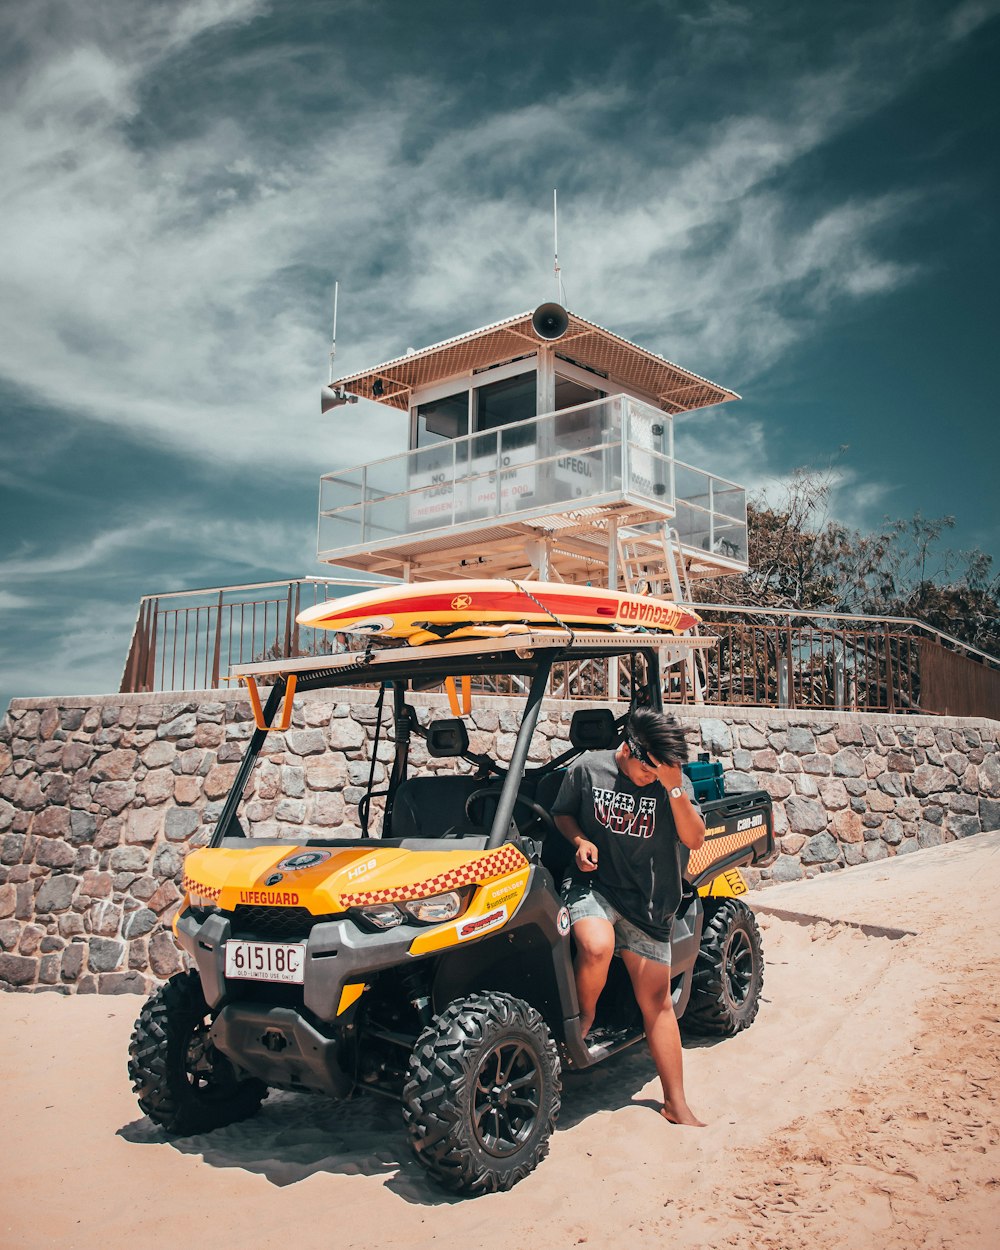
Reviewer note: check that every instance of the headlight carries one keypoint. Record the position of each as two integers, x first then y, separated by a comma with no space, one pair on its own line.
437,908
434,910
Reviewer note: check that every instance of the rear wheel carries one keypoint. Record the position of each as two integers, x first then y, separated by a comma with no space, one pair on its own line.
482,1093
729,972
184,1084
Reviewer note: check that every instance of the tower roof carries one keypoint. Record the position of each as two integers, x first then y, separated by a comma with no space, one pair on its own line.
672,388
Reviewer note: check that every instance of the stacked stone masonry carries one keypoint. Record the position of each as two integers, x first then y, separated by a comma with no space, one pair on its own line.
100,800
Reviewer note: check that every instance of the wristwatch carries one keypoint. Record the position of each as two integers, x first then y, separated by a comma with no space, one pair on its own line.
675,792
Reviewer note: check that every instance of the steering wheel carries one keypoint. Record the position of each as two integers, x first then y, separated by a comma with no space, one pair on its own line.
536,812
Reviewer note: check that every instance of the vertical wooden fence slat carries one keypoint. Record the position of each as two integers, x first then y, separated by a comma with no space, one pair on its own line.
149,668
295,621
889,692
217,649
288,624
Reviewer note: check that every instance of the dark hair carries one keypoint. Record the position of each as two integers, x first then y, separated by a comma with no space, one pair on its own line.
658,734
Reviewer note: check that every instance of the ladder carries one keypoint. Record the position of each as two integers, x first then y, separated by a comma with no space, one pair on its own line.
648,563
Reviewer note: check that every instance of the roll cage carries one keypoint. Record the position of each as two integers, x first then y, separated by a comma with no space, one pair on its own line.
402,669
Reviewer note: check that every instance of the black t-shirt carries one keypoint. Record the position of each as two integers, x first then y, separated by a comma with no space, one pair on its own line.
639,856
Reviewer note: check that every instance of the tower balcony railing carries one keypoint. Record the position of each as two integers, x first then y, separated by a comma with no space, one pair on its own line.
604,452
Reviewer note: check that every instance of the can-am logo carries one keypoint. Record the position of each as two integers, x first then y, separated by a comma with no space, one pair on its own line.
304,859
481,924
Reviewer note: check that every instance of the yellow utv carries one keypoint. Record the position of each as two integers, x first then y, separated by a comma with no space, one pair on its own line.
431,957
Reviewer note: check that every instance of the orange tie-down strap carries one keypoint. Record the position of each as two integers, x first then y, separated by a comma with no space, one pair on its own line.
497,864
721,845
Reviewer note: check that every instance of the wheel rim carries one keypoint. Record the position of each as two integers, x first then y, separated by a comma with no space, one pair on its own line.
738,967
507,1098
208,1073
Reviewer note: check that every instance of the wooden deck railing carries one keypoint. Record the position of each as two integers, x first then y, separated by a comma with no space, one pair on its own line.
186,640
764,657
782,658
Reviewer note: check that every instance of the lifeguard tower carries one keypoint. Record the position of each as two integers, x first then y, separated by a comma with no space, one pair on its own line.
541,446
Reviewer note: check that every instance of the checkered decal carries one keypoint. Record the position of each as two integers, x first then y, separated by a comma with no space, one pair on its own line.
206,891
718,847
497,864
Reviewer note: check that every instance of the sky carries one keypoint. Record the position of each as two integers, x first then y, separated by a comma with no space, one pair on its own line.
796,201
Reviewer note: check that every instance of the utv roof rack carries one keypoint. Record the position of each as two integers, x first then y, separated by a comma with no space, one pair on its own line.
473,651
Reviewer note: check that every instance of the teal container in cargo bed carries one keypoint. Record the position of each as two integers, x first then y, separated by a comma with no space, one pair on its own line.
706,777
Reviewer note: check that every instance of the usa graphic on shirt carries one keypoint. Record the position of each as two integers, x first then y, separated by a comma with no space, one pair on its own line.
624,813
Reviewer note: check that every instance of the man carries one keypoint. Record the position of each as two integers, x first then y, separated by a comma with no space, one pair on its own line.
623,812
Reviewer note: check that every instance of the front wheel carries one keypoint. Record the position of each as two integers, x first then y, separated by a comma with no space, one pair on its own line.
483,1093
184,1084
729,972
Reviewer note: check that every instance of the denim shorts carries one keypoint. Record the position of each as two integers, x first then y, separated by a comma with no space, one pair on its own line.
585,902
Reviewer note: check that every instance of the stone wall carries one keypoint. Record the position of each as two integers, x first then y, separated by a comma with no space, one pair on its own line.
101,798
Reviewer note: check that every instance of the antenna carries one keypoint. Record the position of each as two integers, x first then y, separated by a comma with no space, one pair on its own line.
560,296
329,397
333,345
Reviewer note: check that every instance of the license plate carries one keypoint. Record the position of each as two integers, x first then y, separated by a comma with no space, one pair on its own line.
266,961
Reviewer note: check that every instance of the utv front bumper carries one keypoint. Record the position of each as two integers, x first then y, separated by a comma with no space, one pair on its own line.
280,1046
307,1047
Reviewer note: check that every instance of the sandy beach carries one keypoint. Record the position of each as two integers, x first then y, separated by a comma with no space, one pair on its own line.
859,1110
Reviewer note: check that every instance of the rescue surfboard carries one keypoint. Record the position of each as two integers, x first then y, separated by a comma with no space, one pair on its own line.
422,611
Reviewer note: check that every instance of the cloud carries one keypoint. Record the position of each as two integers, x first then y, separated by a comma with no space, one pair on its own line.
178,287
89,659
717,13
11,602
77,557
85,595
968,17
193,537
182,186
851,500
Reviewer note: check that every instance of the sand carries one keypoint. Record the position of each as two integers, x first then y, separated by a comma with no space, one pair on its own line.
860,1110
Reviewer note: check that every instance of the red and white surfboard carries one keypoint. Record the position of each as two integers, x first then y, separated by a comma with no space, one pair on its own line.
406,611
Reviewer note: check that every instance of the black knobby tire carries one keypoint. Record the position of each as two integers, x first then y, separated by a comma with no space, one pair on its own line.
728,973
482,1093
184,1084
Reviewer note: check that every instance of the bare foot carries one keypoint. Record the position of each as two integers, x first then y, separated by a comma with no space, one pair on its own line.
683,1115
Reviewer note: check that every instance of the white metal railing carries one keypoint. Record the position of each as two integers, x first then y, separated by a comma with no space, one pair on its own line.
602,451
